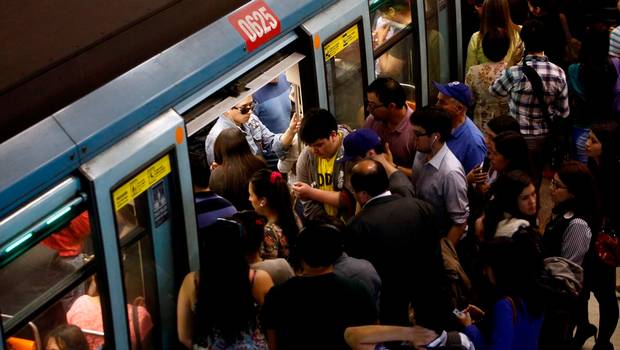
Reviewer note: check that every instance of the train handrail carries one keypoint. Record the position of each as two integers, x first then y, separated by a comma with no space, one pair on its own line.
35,332
92,332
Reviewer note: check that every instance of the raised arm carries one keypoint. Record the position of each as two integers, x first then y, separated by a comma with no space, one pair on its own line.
367,337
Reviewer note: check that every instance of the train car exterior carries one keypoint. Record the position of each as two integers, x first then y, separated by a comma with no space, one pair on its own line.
96,204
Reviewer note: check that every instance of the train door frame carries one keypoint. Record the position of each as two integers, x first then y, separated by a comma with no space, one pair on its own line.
115,167
208,116
329,24
421,19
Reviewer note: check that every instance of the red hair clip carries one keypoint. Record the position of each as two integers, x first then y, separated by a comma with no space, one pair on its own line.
275,176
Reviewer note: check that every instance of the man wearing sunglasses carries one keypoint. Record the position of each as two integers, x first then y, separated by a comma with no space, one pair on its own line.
258,136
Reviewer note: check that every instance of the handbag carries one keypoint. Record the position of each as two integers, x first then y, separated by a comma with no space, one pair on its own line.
607,247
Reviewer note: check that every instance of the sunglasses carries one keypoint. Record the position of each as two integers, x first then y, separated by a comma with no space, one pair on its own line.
245,108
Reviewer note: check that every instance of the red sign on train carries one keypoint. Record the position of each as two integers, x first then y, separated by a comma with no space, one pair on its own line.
257,24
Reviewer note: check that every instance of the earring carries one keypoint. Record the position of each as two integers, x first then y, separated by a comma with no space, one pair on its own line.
262,204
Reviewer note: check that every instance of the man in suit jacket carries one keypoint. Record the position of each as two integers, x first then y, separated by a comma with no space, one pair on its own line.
400,238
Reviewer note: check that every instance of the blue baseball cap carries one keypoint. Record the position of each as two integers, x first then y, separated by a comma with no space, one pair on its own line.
457,90
358,143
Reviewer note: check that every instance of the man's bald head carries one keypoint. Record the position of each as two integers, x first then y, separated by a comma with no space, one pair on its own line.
369,176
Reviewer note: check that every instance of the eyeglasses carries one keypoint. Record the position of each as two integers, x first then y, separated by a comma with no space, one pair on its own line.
556,184
245,108
373,106
420,134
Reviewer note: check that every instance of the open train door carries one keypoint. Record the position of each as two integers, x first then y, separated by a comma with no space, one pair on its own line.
143,194
343,61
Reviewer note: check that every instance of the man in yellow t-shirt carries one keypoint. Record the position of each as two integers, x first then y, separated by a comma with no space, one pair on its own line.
321,180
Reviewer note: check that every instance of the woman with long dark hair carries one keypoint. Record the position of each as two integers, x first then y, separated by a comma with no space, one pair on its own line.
495,14
575,213
509,152
575,216
270,197
513,205
603,162
511,266
253,236
217,306
236,165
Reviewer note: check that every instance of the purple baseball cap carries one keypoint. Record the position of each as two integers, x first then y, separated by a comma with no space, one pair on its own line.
358,143
457,90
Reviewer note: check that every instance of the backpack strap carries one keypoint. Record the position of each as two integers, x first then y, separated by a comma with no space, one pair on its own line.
539,91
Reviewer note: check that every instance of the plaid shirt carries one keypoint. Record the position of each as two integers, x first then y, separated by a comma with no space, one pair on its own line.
523,105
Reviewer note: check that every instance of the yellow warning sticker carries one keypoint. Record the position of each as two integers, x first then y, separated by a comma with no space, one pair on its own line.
141,182
340,43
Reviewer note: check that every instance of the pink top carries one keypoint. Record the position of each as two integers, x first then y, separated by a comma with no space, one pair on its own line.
86,314
401,139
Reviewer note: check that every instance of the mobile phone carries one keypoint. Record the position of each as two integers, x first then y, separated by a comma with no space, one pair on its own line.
481,167
458,313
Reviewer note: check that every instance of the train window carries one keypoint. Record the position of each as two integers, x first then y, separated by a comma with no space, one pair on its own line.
139,214
80,307
140,284
388,18
42,269
345,81
398,63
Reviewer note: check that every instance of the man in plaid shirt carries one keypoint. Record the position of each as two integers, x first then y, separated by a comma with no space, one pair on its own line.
524,106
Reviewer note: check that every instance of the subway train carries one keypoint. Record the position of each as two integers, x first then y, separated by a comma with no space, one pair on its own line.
97,220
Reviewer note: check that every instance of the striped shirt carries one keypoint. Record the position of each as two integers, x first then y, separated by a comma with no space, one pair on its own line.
614,42
522,103
576,240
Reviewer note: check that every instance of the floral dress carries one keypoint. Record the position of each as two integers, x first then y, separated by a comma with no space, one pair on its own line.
487,106
275,244
252,339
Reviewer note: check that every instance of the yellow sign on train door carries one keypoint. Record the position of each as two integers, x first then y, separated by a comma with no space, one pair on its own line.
141,182
341,42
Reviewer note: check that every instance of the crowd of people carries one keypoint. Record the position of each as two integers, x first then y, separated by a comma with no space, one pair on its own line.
422,228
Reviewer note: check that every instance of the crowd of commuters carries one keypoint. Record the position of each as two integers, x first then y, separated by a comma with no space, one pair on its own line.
421,229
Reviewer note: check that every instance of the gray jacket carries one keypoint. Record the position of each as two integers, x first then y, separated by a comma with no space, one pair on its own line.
307,172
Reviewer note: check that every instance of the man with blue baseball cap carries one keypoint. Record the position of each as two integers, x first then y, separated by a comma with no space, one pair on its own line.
467,141
366,143
360,143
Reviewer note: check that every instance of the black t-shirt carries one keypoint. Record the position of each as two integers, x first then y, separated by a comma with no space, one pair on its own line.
313,312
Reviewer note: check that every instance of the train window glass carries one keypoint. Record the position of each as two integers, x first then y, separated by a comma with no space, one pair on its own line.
140,287
47,265
344,76
388,18
398,63
438,38
126,221
80,306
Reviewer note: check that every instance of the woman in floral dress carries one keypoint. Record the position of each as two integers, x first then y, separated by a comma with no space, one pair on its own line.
479,77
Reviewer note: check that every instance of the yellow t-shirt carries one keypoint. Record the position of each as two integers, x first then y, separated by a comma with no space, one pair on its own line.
325,169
